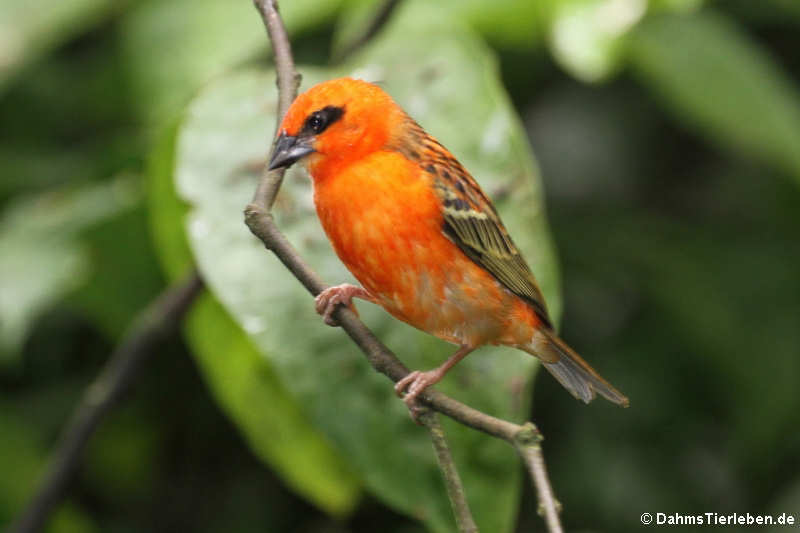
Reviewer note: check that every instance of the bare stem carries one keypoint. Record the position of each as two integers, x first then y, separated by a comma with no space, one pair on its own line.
154,323
288,81
528,444
259,219
452,481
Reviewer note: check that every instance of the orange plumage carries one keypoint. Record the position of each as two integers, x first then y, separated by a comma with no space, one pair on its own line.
418,233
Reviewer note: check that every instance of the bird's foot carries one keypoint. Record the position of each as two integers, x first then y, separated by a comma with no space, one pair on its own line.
327,300
413,385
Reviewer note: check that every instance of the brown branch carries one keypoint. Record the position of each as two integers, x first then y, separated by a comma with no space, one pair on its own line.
528,445
452,481
288,81
259,219
152,325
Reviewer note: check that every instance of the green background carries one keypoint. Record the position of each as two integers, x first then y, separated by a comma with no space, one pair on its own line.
644,154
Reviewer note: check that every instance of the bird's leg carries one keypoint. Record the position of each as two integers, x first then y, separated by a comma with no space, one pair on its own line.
416,382
327,300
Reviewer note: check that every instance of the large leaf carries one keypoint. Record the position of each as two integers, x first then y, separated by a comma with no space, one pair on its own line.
167,211
455,94
719,81
244,383
276,427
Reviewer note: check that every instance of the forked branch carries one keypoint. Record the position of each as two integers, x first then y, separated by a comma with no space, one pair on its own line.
258,217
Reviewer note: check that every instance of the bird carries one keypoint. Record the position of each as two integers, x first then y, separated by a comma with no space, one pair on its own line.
419,234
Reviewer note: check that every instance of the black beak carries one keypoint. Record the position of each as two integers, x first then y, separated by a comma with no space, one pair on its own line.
289,149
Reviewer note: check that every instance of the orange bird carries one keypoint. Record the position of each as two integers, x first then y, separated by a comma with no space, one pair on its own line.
419,234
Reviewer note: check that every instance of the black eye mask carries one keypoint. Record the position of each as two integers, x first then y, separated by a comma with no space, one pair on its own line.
318,121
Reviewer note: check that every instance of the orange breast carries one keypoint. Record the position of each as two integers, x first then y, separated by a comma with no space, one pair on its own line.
384,220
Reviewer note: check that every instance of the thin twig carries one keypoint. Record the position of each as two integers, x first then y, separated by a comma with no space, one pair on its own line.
288,81
151,326
379,19
259,219
528,445
452,481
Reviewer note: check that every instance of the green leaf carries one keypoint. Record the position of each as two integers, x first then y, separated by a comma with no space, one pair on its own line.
456,95
31,28
33,277
41,256
243,382
717,80
586,37
274,425
174,47
167,211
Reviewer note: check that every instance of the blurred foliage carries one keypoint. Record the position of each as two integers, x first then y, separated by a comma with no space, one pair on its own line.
714,76
173,47
46,243
667,134
31,29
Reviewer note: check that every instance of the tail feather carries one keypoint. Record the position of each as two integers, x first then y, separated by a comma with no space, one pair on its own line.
575,374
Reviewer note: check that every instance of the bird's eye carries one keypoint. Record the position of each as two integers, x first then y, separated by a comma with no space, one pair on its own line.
316,123
320,120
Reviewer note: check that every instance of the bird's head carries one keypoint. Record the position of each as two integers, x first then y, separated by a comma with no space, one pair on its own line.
337,120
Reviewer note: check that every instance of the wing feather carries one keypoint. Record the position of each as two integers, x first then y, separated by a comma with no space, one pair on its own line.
471,221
